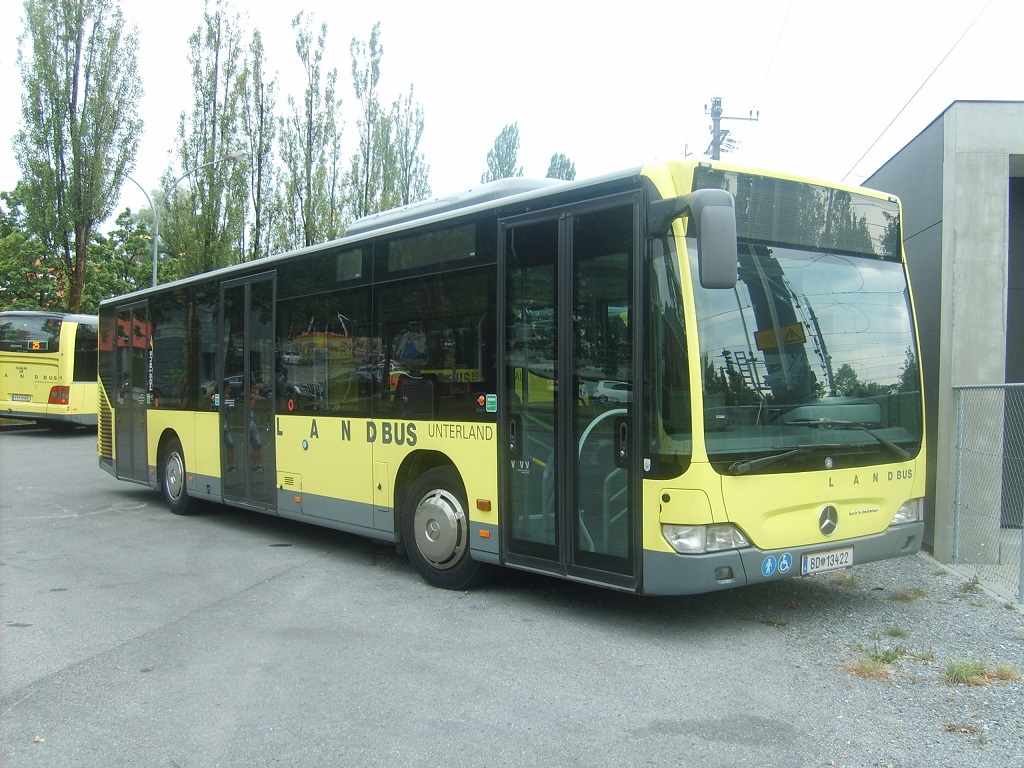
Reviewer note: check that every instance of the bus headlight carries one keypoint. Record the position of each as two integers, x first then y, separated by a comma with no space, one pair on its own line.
697,539
911,511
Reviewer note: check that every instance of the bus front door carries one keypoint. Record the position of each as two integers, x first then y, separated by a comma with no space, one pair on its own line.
569,474
246,397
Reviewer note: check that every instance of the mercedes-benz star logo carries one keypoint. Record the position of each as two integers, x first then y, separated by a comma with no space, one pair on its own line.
828,520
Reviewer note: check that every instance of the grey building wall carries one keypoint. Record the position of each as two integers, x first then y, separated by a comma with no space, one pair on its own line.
915,175
1015,297
954,179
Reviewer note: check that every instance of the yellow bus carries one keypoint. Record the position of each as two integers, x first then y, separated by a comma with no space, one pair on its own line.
685,377
48,366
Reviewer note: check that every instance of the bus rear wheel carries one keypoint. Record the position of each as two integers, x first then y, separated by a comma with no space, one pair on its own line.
173,485
435,526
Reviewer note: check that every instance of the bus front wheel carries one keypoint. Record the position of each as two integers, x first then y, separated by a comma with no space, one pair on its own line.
435,526
172,480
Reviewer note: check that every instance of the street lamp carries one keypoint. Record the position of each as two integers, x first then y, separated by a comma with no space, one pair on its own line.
234,157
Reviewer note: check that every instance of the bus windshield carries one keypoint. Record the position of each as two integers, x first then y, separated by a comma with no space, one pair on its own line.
808,363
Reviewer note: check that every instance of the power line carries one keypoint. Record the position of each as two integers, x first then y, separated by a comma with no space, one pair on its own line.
771,59
914,95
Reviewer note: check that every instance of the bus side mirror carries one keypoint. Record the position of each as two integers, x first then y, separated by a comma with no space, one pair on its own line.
713,223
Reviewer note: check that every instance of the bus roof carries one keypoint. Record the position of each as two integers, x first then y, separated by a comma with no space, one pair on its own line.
70,317
494,190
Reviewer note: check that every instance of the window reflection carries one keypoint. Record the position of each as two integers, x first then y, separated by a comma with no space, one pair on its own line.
807,337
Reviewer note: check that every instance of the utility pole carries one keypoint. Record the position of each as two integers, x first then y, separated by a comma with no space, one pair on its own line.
720,139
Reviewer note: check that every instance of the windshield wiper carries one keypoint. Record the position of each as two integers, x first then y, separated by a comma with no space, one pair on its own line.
743,467
889,445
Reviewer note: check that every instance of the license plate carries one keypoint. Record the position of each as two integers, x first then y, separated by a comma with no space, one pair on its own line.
832,560
21,398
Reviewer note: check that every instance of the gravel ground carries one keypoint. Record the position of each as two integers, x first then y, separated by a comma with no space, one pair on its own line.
916,618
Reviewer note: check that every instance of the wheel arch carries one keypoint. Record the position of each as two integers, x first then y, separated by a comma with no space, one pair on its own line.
162,442
414,465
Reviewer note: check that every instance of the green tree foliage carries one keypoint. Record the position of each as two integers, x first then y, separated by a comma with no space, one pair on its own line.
312,189
118,262
503,156
80,127
259,96
204,223
411,169
371,180
27,279
561,167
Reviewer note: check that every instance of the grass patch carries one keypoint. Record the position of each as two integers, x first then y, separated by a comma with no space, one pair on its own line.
1005,673
973,672
966,672
896,632
971,586
869,667
911,595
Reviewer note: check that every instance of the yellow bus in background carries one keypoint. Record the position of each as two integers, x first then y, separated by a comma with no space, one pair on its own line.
685,377
48,364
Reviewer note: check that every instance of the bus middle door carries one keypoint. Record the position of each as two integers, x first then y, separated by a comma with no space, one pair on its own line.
246,402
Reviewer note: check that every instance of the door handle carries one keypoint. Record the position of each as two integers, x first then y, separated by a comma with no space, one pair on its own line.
513,437
621,446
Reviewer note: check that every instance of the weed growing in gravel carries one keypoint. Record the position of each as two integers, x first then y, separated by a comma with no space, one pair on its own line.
973,672
870,668
875,661
971,586
911,595
965,672
1006,672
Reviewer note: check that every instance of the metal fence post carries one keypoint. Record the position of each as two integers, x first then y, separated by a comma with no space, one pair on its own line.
959,475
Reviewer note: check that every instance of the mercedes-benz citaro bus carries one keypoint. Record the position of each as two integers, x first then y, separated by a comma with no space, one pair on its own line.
48,368
429,380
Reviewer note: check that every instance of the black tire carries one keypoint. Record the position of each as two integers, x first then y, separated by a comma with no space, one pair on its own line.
435,527
173,482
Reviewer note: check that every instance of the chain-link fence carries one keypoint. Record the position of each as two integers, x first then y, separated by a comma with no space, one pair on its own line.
989,494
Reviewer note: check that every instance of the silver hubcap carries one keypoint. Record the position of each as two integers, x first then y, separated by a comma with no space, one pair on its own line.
441,529
174,476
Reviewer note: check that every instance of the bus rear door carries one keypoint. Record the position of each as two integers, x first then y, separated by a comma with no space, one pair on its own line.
131,377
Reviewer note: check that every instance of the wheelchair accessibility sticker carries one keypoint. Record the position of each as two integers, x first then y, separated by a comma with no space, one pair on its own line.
770,565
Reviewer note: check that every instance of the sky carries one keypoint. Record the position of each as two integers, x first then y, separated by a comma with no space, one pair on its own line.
838,87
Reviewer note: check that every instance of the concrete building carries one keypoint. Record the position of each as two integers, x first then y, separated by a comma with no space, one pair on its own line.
961,181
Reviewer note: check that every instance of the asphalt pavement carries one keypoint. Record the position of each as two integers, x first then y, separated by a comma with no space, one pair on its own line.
132,637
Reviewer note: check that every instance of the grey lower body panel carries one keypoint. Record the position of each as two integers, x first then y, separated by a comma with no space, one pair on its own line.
668,573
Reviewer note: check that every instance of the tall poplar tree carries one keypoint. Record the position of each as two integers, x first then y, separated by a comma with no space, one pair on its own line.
561,167
503,156
80,125
204,226
260,124
371,179
312,188
411,170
